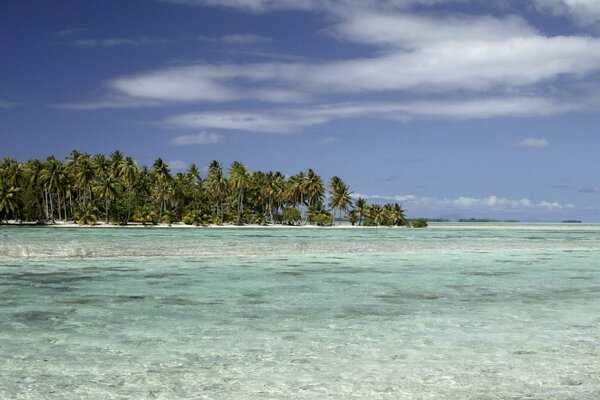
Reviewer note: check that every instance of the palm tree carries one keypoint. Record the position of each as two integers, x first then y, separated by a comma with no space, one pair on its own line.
52,177
361,205
35,169
313,188
272,190
84,175
398,215
217,186
8,199
294,190
375,213
162,187
240,178
105,188
341,198
193,174
128,170
115,162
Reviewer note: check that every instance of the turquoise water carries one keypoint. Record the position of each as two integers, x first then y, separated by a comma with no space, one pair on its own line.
455,311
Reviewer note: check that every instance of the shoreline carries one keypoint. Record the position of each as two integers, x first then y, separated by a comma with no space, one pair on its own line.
181,225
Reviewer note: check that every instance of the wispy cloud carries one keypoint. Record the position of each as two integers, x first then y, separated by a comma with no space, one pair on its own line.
118,41
68,32
584,12
329,140
452,67
469,203
236,39
536,143
7,104
294,119
198,138
177,164
250,5
592,189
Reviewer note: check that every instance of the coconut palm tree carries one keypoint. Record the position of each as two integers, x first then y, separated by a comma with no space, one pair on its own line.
34,170
115,163
361,205
272,190
217,186
52,177
313,188
294,190
240,178
375,214
193,174
341,198
128,171
8,199
105,187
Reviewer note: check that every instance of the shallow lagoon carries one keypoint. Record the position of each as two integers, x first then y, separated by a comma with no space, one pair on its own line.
466,311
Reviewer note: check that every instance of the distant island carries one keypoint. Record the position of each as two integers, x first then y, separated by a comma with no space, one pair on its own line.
87,188
571,221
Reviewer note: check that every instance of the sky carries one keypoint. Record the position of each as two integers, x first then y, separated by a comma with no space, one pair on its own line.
456,108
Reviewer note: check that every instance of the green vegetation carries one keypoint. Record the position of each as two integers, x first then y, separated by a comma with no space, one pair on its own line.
114,189
419,223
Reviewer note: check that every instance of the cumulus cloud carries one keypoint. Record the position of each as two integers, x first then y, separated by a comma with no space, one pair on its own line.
470,203
198,138
534,142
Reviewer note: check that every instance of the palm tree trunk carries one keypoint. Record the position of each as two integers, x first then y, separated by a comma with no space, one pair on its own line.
106,210
128,206
45,200
59,205
239,213
51,207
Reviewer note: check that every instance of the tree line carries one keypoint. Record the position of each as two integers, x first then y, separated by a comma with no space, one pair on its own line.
87,188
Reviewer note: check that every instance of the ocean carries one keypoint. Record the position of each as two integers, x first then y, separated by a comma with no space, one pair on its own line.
454,311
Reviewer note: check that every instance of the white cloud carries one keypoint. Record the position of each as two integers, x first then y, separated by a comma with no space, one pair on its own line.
69,32
251,5
475,65
198,138
584,12
469,203
294,119
262,6
534,142
113,42
177,164
237,39
106,103
448,66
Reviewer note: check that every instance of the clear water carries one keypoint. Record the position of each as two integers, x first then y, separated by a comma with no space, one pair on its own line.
455,311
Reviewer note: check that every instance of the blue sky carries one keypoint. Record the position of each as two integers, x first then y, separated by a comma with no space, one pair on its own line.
456,108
